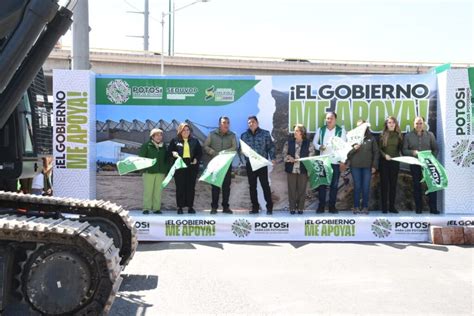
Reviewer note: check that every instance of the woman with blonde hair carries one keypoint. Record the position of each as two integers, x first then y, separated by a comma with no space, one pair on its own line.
390,144
153,176
184,145
297,176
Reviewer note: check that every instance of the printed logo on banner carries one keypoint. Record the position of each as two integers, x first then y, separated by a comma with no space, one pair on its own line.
147,92
220,94
272,227
381,227
118,91
330,227
462,153
460,223
241,227
142,227
180,93
464,119
411,227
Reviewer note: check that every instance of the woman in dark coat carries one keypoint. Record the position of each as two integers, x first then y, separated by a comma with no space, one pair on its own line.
188,148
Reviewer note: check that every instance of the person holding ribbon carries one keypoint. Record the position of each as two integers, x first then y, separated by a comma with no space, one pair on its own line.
261,142
153,176
390,144
321,142
417,140
297,176
363,160
187,147
220,139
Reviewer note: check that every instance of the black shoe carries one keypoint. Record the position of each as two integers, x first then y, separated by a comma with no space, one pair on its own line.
418,211
227,211
385,211
394,211
253,212
300,212
180,211
191,211
269,212
320,210
157,212
292,212
213,210
332,210
146,212
434,212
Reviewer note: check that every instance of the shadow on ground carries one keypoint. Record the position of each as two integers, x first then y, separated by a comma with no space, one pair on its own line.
128,302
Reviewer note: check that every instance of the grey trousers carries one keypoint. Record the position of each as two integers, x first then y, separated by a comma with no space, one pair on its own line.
297,190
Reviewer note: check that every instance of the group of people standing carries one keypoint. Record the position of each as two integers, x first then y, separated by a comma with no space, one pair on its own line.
187,147
363,160
369,156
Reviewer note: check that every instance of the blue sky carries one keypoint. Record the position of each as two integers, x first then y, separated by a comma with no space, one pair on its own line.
371,30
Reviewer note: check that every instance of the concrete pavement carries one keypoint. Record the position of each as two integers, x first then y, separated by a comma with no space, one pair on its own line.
298,278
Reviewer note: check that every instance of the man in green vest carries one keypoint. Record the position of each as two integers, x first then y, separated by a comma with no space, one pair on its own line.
321,141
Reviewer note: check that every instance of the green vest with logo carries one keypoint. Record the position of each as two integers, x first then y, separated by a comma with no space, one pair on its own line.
322,131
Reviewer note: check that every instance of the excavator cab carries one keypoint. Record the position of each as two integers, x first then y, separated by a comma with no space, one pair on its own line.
26,137
29,29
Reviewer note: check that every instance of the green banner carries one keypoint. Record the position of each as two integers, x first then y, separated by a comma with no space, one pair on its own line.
131,164
178,164
434,173
440,69
319,171
217,168
152,91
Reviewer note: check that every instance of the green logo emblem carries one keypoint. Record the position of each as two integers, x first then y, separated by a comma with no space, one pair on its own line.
118,91
381,228
241,228
462,153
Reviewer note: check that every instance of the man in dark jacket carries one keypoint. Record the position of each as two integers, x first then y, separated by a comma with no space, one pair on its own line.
418,140
261,142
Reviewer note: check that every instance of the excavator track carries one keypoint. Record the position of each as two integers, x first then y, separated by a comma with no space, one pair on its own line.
68,267
110,217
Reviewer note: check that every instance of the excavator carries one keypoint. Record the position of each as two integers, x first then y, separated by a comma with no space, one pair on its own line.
58,256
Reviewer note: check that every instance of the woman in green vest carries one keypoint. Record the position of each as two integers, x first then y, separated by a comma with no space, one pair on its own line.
153,176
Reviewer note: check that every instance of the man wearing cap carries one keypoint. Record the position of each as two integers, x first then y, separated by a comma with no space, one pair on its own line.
153,176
